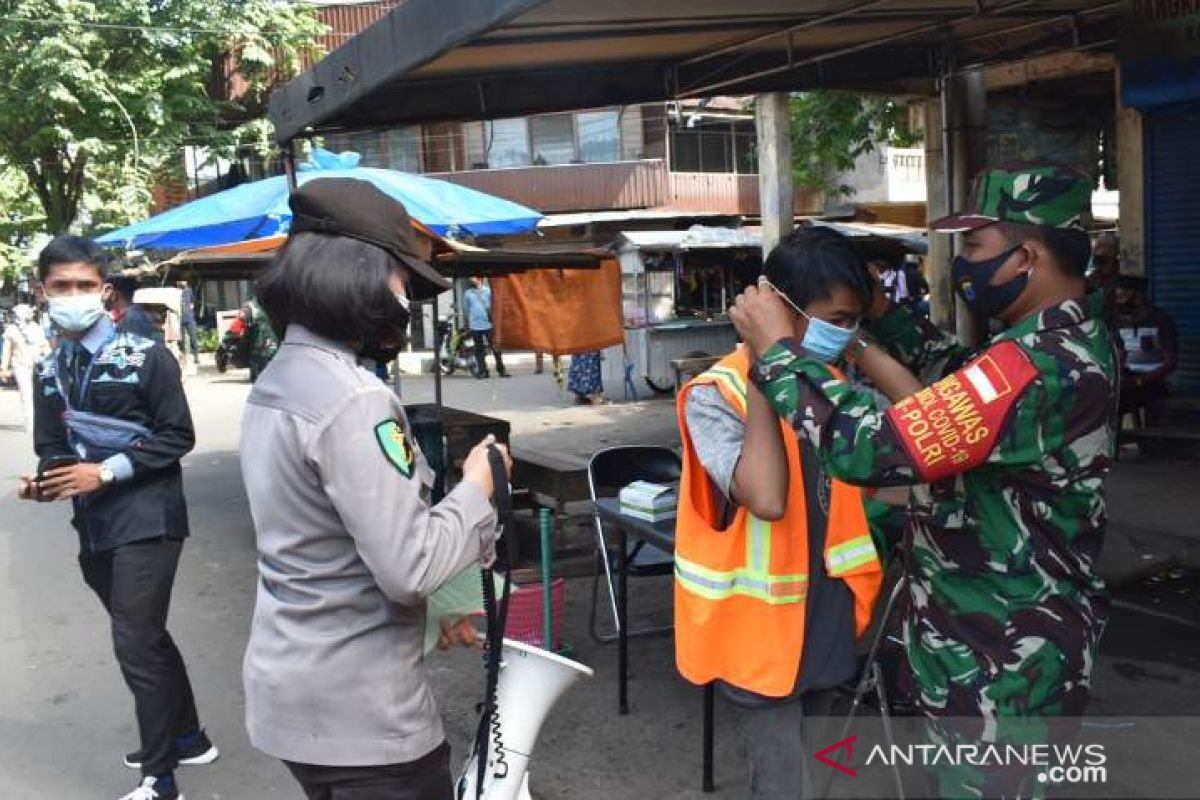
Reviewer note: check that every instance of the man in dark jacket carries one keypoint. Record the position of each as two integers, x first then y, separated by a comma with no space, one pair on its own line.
111,423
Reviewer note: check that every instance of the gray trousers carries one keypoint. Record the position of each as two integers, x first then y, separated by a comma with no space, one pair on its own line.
780,742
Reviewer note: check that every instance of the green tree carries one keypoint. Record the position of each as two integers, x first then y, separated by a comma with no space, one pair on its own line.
831,129
99,97
21,219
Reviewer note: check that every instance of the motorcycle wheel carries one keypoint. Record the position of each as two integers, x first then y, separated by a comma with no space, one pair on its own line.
222,361
446,363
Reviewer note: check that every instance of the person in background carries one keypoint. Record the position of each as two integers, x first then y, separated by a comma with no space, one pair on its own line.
24,346
918,287
893,280
349,544
111,425
779,654
1150,349
1106,273
264,343
584,379
478,302
129,317
189,331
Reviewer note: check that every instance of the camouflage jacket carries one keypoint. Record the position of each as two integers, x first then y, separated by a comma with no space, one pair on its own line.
1007,451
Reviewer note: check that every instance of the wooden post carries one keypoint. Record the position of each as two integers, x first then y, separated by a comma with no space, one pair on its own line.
937,260
776,187
966,131
1131,164
289,164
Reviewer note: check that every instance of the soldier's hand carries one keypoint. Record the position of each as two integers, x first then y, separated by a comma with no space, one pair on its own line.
477,468
762,318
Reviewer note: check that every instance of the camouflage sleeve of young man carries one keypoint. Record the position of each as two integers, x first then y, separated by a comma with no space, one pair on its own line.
950,427
923,348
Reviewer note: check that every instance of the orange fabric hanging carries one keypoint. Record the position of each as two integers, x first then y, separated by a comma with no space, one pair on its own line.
559,311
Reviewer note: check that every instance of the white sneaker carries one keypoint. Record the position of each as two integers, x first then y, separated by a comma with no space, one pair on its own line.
147,790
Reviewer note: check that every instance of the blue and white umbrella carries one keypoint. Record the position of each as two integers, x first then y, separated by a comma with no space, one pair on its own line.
259,209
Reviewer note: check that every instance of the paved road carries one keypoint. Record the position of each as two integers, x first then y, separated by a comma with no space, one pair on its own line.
66,718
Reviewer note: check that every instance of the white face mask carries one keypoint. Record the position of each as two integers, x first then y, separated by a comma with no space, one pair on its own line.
77,312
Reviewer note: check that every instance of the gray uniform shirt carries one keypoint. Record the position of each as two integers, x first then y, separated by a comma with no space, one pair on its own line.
717,434
348,550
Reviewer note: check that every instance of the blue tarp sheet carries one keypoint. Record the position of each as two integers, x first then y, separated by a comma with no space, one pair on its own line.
1160,82
258,209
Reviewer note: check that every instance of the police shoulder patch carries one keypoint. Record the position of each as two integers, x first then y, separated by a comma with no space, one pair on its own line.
393,441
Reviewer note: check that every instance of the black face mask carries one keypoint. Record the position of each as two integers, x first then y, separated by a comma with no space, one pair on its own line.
386,354
973,280
380,354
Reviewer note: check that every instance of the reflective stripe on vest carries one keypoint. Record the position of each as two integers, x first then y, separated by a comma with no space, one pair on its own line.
847,556
753,580
732,381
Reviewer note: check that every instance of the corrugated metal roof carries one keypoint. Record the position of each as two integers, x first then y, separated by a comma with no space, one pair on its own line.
664,215
487,59
697,237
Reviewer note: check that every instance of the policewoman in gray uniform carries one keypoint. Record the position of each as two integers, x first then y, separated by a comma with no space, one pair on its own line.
349,546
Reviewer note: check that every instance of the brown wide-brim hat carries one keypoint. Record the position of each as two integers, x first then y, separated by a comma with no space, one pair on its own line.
359,210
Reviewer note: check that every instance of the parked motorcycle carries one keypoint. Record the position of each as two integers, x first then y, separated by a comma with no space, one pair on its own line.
234,351
456,349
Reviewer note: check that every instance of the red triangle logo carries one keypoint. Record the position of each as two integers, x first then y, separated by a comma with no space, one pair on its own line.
846,744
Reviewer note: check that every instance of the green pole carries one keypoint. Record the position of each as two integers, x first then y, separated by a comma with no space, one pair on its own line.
545,529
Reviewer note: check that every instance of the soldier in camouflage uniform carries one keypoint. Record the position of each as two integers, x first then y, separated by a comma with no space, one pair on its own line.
263,342
1006,448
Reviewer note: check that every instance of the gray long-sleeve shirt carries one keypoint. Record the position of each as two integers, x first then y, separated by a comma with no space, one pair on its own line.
349,548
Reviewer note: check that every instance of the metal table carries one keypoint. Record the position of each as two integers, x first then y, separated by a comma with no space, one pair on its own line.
662,536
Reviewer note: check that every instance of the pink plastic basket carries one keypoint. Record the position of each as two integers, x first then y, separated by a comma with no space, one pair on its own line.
525,613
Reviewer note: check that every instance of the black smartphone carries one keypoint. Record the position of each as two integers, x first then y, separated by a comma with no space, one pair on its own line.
56,462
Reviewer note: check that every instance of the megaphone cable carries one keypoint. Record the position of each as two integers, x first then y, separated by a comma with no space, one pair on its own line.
497,618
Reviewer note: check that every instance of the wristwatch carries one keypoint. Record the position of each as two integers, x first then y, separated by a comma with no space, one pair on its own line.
107,476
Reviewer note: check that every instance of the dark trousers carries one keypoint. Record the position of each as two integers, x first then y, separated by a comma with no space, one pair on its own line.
483,343
134,583
427,778
189,336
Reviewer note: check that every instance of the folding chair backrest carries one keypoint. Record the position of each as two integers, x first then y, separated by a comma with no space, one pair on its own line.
612,469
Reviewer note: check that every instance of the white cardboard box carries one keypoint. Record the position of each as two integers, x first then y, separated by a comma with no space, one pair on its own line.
653,502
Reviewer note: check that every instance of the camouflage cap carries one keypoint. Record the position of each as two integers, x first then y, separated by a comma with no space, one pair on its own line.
1031,194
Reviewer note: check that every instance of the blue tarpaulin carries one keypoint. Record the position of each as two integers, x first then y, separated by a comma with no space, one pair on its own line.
1159,82
255,210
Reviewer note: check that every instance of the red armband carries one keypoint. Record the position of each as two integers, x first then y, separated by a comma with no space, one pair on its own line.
953,425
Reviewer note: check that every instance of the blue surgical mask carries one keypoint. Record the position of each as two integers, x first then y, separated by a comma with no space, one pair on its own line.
822,339
825,340
76,313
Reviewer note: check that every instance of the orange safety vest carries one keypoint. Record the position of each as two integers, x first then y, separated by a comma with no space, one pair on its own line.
740,592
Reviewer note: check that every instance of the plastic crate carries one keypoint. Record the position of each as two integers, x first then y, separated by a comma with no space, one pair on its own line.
525,623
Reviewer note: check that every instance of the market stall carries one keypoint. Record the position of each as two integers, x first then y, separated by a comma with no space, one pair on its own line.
677,287
676,290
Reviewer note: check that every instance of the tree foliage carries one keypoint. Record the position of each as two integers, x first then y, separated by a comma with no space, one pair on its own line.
831,129
99,97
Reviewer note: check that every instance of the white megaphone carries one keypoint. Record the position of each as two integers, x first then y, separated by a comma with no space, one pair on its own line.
531,681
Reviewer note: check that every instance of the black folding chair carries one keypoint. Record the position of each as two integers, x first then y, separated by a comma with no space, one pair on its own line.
608,472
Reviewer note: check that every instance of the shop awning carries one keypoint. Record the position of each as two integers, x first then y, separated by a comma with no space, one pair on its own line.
431,60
